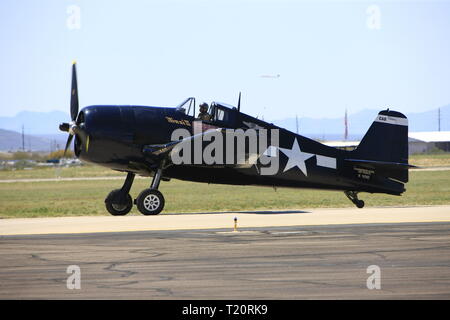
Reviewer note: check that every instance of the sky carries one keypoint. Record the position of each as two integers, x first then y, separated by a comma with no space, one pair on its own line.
306,58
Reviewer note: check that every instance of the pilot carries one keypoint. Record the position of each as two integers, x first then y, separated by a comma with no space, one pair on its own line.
204,115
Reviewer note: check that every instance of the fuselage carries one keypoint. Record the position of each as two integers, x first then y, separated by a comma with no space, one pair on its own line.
118,135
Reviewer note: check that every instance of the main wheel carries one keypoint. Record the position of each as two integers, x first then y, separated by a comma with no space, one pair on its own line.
150,202
115,208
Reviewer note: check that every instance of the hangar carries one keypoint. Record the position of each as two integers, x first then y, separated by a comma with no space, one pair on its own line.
418,142
428,141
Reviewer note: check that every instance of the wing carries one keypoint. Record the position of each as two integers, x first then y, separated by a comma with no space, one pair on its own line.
163,150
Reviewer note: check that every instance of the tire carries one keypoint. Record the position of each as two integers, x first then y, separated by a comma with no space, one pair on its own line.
117,209
150,202
360,204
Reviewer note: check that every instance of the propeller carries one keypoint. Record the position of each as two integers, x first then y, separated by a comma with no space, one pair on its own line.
74,128
74,93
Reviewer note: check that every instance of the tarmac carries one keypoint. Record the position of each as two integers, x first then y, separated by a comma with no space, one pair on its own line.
220,220
305,254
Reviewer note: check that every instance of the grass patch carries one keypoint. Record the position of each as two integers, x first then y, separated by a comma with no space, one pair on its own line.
88,170
430,160
59,172
75,198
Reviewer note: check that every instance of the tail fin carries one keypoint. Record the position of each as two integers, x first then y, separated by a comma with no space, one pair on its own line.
385,145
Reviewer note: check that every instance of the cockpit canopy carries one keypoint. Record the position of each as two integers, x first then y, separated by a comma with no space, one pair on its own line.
187,106
222,114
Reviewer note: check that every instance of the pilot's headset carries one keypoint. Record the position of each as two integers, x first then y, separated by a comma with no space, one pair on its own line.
204,107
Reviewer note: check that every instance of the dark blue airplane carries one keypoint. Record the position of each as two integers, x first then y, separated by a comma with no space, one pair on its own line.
138,140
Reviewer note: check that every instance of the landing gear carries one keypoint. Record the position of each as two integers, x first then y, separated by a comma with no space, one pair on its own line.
353,196
151,201
119,202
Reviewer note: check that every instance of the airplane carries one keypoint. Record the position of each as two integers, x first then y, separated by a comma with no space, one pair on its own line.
139,140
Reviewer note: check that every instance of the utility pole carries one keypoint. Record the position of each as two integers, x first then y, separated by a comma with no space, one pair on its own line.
23,138
439,119
346,126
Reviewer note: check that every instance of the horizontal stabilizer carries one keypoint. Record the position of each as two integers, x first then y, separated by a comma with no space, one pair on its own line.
394,170
383,164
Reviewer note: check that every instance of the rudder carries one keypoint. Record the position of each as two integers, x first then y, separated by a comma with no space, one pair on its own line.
386,143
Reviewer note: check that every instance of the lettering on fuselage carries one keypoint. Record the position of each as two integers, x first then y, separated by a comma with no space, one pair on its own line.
176,121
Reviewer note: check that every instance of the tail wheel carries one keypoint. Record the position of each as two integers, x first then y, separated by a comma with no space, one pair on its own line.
359,204
150,202
353,196
114,207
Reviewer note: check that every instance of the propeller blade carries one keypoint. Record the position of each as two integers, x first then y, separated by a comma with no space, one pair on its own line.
74,94
72,128
69,140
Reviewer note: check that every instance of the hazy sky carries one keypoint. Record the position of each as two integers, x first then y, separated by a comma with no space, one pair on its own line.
329,55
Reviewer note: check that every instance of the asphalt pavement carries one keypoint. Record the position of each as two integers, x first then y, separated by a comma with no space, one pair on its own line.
404,260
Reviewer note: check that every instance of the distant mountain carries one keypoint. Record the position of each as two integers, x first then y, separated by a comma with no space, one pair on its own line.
42,127
35,122
12,141
358,123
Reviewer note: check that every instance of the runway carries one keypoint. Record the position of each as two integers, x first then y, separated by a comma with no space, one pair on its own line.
313,254
314,262
225,220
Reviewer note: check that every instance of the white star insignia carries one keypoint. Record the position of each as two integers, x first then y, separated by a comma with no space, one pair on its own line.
296,157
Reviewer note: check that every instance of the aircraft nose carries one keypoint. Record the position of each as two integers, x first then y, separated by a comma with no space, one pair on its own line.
108,132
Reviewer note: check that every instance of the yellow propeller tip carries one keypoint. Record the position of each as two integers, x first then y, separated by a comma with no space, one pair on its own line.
74,62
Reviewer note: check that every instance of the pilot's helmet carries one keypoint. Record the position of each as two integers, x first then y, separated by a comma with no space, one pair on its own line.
204,107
